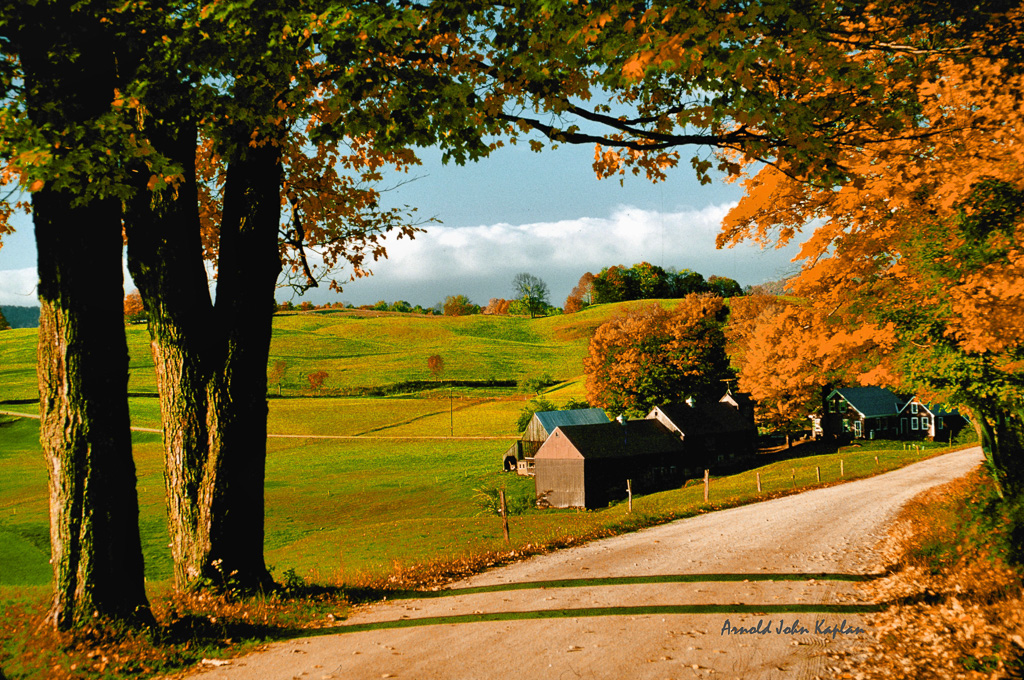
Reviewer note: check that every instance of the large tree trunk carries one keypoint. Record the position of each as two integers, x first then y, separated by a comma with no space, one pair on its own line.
165,258
247,275
82,353
83,386
212,363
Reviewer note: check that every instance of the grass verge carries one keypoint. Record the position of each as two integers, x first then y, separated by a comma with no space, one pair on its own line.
197,627
956,604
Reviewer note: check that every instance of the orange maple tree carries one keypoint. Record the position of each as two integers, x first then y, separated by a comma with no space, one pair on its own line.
316,380
133,307
649,356
435,364
919,251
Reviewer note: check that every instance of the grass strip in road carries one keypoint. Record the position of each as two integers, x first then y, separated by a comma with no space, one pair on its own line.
362,595
648,610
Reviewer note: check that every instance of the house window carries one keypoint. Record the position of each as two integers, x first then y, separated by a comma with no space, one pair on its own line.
924,422
858,428
913,423
913,409
938,423
846,425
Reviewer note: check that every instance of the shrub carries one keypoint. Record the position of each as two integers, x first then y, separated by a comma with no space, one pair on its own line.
534,406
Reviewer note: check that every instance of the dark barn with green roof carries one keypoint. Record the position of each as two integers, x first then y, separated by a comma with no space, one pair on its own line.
520,455
860,412
586,466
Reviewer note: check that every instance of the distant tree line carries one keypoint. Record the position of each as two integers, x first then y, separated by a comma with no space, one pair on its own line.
645,281
12,316
379,306
618,283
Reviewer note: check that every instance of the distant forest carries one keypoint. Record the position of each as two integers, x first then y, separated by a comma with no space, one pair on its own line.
21,317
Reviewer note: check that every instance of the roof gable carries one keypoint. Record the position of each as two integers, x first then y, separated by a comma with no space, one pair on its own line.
550,420
709,418
870,402
618,440
935,409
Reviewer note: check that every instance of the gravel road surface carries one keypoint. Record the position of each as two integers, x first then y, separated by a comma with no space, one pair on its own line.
668,602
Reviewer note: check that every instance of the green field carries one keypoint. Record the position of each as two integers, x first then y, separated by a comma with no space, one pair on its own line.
370,484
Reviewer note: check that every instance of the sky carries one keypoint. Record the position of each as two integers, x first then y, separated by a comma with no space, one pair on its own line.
517,211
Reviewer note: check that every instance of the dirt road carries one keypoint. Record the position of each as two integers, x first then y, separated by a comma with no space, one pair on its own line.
761,591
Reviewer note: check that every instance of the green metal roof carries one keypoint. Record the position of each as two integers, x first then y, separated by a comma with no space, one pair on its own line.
549,420
623,440
871,402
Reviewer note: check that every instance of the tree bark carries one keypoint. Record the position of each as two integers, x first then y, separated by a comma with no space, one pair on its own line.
165,258
212,360
82,365
247,276
83,386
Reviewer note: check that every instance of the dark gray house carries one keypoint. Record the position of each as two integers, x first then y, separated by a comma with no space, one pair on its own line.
586,466
934,422
714,434
860,413
519,456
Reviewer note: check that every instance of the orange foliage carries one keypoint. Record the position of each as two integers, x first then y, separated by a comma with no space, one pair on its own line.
788,353
650,356
435,364
316,380
920,250
133,303
331,213
497,307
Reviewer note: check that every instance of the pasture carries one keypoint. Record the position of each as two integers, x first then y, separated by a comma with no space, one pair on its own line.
358,487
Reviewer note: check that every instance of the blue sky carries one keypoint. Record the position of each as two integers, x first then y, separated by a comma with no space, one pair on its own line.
544,213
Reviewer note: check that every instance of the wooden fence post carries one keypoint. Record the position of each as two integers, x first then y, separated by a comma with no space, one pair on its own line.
706,486
794,476
876,461
842,470
758,481
629,492
504,515
817,471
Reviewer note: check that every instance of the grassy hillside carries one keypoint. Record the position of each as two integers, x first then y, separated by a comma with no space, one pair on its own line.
370,349
333,504
358,485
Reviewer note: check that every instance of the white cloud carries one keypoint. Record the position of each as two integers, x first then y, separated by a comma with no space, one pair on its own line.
18,287
481,260
626,236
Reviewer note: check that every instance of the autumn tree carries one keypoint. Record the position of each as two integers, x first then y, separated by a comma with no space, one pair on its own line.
497,307
919,249
316,380
435,364
459,305
532,292
573,304
581,295
650,356
4,325
585,288
788,356
134,311
275,375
